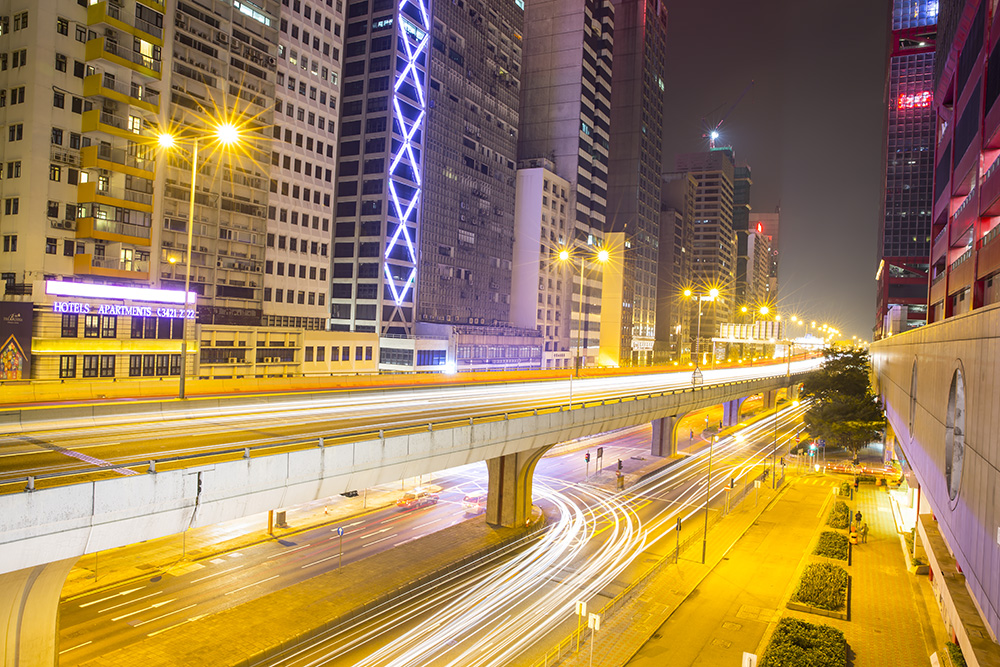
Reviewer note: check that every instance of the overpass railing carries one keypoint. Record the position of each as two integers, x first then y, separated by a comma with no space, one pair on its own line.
29,483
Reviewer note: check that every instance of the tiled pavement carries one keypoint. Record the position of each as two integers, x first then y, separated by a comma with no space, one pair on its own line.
734,606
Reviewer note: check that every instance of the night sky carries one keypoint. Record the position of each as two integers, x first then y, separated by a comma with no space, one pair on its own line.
810,129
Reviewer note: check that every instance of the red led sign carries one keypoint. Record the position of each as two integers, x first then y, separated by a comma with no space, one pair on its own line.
914,100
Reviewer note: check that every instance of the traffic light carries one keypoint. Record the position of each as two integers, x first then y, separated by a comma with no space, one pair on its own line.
586,457
732,482
619,464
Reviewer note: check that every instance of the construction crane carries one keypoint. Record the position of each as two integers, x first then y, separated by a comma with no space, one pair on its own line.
712,133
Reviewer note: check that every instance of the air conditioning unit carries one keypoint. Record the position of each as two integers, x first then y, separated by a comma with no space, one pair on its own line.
233,360
110,33
223,38
272,61
65,224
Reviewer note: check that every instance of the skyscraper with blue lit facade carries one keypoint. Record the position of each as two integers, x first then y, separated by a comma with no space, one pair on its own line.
905,223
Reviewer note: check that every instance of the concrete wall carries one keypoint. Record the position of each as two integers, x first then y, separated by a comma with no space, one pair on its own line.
62,522
929,360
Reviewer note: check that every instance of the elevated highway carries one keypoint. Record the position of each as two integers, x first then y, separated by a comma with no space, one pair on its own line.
82,479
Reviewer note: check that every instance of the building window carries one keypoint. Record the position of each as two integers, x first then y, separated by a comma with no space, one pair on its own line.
107,365
15,132
109,326
91,326
11,206
67,366
55,172
135,365
70,322
358,351
148,365
58,99
163,364
60,63
62,26
50,245
91,365
368,353
10,243
345,353
320,353
309,354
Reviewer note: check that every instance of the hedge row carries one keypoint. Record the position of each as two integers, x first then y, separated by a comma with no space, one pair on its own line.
840,515
832,545
824,586
796,643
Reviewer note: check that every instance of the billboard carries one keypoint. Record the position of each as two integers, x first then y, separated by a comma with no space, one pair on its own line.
15,340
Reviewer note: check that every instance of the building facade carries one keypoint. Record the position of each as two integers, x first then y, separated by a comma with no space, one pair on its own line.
566,117
713,251
905,224
742,182
673,273
637,101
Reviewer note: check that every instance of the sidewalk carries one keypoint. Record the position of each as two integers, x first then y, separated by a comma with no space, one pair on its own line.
713,614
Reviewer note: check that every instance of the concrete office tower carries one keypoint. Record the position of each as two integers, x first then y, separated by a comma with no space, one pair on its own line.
714,241
303,162
222,68
425,185
742,182
565,117
673,274
758,268
905,224
541,286
770,226
637,101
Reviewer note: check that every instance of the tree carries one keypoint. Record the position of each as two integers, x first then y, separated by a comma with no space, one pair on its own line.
845,412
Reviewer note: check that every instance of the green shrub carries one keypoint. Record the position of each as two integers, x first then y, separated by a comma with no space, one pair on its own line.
866,478
845,489
955,652
796,643
823,585
909,542
840,515
832,545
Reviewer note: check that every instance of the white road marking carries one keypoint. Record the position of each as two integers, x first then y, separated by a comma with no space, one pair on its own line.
130,602
356,523
176,625
377,532
152,606
383,539
235,554
290,551
215,574
251,585
131,590
67,650
169,613
424,525
321,560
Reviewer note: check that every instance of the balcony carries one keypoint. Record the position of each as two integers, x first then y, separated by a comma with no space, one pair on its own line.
963,217
988,257
108,267
131,199
112,230
113,52
97,120
116,159
113,15
129,93
960,272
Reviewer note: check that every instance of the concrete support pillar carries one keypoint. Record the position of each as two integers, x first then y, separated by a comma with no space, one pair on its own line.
29,614
508,503
731,412
665,436
770,399
793,392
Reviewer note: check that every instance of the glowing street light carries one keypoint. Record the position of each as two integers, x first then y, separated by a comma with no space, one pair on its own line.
226,135
711,295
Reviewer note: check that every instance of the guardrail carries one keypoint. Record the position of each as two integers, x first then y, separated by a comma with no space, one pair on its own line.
94,473
578,636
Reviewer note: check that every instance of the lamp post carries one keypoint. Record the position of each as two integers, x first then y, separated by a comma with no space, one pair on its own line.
601,257
708,488
711,295
224,134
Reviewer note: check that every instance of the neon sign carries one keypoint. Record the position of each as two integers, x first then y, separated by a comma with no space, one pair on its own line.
760,228
99,291
920,100
72,307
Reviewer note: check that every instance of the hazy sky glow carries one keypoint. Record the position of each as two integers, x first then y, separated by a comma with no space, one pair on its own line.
810,128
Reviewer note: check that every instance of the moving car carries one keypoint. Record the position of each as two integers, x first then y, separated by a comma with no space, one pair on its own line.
417,498
474,504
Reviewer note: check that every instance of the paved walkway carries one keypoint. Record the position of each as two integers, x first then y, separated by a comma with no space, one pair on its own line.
694,615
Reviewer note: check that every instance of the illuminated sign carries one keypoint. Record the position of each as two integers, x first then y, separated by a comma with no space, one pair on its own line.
914,100
73,307
95,291
760,228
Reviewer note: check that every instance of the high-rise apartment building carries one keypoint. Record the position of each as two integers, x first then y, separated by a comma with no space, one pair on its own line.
426,175
541,281
757,272
714,241
905,224
637,100
565,117
770,226
742,182
673,274
303,155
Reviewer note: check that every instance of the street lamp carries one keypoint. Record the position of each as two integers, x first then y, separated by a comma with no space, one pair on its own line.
601,256
225,135
711,295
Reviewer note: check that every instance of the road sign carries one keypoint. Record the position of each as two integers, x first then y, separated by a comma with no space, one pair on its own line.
600,452
581,608
594,622
340,531
749,660
678,524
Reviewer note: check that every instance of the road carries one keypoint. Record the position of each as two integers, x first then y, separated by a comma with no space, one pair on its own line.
596,529
49,443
